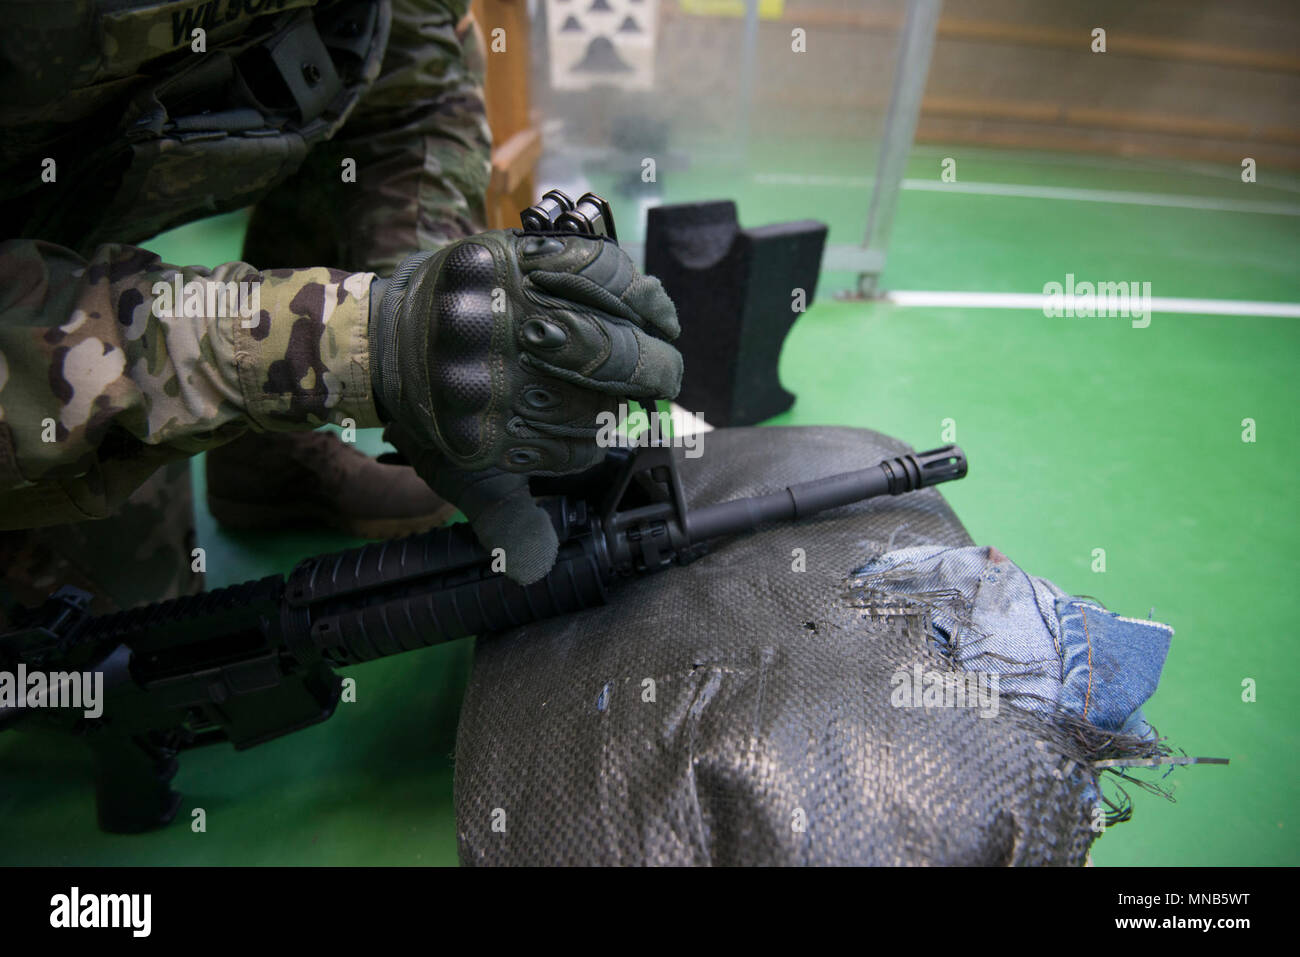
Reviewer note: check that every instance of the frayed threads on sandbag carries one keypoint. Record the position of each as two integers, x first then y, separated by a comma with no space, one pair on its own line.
1060,659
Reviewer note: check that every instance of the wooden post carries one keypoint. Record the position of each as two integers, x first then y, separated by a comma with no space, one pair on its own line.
516,139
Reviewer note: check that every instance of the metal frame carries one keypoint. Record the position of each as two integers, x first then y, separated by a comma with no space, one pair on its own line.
911,68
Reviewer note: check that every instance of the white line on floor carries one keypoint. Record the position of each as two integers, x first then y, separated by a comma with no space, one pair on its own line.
1021,191
1037,300
1157,165
1107,196
814,179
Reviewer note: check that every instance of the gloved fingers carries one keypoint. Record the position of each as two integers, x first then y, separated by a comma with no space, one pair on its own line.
648,299
540,452
608,282
521,529
601,353
500,509
547,406
508,347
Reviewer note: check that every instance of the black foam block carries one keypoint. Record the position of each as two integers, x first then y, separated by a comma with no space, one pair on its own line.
734,292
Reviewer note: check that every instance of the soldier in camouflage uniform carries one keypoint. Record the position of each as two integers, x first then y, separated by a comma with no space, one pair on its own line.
488,358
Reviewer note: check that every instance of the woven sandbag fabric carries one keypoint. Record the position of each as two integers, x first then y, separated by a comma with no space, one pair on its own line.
767,735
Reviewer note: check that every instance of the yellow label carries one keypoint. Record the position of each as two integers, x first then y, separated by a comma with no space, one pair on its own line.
767,9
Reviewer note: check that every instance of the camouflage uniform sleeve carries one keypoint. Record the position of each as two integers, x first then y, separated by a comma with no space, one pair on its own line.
420,143
105,374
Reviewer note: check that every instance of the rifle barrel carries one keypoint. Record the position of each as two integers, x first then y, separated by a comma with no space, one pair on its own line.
890,477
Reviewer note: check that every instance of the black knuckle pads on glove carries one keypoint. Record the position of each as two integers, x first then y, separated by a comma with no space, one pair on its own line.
459,348
563,339
548,401
523,340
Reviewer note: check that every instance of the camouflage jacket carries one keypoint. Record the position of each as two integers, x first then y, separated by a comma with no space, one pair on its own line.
113,362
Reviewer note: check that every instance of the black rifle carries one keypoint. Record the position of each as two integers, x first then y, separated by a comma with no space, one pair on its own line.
249,663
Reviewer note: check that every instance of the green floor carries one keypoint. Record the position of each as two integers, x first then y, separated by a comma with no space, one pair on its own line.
1082,434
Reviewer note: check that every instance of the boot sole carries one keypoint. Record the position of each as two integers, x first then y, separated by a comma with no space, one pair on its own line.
242,516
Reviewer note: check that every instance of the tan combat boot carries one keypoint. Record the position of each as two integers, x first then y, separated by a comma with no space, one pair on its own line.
313,480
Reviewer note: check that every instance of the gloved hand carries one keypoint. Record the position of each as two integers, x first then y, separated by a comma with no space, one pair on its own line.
500,350
498,505
492,358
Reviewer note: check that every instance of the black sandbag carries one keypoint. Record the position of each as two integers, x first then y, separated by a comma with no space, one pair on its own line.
771,738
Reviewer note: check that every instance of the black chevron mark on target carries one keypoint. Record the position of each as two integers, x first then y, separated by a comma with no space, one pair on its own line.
601,57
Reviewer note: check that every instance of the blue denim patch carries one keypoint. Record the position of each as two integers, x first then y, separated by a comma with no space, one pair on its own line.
1054,653
1112,664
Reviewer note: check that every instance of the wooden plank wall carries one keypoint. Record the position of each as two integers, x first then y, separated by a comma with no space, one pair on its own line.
516,140
1194,79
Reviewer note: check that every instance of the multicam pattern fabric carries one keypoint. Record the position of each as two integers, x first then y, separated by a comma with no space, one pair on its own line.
116,386
97,389
421,145
143,552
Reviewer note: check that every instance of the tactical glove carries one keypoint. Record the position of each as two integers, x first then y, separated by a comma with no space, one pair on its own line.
501,350
498,505
493,357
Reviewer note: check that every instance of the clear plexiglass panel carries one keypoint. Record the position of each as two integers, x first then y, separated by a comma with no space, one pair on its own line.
779,105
